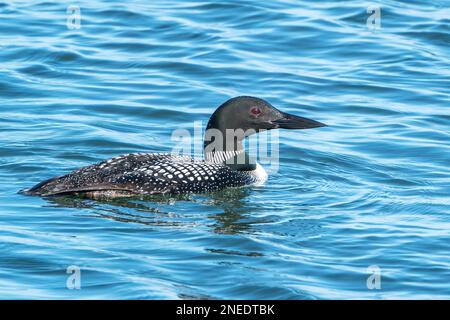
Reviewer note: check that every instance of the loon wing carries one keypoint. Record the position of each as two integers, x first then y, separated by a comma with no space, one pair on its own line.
101,176
145,174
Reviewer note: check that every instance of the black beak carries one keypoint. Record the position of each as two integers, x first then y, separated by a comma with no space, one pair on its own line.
289,121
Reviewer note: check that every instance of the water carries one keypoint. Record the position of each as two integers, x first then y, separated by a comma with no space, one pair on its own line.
372,189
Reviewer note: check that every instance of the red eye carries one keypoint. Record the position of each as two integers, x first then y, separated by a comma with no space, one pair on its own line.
255,111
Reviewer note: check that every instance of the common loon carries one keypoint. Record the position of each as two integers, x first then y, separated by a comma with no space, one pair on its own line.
225,163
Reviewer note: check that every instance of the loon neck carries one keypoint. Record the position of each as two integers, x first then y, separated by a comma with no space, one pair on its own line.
223,145
235,158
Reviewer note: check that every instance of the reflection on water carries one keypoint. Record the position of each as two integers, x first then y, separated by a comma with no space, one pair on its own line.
158,210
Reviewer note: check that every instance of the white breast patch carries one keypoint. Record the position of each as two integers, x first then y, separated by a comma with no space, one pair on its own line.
260,174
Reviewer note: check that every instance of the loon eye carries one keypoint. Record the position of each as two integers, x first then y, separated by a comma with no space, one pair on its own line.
255,111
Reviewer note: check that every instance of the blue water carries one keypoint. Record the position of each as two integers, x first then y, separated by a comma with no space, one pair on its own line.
372,189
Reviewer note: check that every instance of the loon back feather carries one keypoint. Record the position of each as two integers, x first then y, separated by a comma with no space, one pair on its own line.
145,174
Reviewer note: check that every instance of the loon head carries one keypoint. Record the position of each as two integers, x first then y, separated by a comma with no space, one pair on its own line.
253,114
243,116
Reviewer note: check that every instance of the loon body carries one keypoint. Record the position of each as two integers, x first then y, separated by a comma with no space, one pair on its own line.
226,164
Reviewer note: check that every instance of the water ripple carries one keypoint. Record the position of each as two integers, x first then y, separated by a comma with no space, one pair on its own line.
370,189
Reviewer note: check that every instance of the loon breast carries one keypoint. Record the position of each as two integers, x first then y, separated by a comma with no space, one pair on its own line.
259,174
141,173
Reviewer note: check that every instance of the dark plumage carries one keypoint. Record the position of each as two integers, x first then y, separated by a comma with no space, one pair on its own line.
141,173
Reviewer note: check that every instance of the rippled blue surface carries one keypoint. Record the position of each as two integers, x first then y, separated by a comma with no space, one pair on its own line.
372,189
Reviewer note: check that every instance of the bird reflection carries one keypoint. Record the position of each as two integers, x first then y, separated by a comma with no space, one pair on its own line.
163,210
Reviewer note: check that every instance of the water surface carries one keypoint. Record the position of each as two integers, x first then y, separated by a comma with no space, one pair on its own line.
372,189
